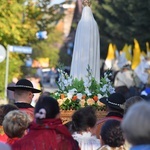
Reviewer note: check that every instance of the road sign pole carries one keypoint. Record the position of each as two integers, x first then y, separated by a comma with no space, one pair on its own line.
6,73
19,49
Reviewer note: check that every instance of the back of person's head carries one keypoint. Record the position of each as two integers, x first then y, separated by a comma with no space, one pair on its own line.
46,93
21,92
23,95
15,123
83,119
132,100
4,146
115,102
136,124
4,109
112,109
111,133
46,107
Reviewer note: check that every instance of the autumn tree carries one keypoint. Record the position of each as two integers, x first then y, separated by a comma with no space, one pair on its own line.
20,20
121,21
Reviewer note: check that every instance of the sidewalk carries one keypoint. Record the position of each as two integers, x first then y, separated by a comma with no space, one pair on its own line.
47,88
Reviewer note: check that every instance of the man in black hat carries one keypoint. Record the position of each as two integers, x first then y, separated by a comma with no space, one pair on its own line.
23,94
114,109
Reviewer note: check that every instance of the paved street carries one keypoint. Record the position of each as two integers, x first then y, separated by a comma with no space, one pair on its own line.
48,88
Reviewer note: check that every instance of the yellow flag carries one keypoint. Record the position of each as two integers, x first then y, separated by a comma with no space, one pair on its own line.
116,53
147,46
111,52
114,47
128,53
148,49
126,49
136,54
130,48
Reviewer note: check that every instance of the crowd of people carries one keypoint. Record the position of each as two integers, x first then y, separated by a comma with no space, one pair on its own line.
25,127
127,82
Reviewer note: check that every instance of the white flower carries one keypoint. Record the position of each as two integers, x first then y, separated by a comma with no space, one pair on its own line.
73,91
66,74
99,96
70,81
107,80
110,74
79,95
61,79
66,83
56,94
89,78
87,92
63,88
111,89
104,88
87,83
70,95
105,74
105,95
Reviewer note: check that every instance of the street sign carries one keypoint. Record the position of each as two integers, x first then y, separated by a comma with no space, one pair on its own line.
20,49
2,53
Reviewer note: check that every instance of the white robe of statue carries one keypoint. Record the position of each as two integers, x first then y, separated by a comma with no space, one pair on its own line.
87,47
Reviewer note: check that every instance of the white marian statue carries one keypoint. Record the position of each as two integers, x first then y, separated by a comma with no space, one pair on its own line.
87,46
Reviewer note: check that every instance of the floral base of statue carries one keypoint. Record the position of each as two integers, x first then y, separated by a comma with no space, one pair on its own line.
69,106
74,93
67,114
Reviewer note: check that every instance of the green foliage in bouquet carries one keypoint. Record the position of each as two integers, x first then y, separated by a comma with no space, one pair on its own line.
74,93
70,105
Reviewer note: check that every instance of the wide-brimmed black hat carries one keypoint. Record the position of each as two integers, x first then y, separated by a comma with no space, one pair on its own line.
115,100
24,84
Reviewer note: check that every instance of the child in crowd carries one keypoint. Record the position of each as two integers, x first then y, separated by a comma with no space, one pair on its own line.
15,124
83,127
111,136
4,109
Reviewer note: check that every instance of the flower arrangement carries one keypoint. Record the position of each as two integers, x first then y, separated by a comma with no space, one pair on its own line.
73,94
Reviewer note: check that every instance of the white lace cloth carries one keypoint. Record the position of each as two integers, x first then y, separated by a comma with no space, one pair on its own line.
106,147
87,141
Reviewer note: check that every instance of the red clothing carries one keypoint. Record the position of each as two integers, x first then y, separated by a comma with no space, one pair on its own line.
3,136
50,135
11,141
111,115
29,109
